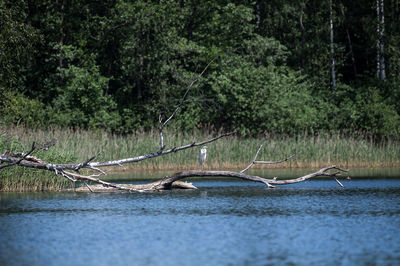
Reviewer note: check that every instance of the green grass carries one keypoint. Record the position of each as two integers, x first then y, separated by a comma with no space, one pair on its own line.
227,153
19,180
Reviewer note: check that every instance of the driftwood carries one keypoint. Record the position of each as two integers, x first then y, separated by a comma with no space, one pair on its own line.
72,171
171,182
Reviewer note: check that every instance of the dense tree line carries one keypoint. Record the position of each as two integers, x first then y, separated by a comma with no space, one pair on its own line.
283,66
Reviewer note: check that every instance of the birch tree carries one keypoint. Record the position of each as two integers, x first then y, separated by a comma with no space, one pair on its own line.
380,29
349,41
333,76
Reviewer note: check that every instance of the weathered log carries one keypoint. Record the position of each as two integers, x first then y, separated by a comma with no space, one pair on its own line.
133,188
173,181
167,181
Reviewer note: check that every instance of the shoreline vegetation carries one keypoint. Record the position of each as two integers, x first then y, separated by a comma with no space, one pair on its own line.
311,151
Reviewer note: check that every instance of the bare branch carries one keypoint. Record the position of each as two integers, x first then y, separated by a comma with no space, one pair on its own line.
17,161
162,124
104,183
61,168
86,184
99,170
173,181
340,184
255,157
264,162
84,164
157,153
27,157
184,96
166,182
275,162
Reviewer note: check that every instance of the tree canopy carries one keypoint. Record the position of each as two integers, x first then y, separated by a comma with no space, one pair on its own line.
120,64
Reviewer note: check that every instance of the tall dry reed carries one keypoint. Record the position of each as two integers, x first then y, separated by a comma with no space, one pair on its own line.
313,150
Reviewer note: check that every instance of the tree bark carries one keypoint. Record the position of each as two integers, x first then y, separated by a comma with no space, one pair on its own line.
173,181
382,42
302,6
353,60
380,28
258,15
61,41
333,75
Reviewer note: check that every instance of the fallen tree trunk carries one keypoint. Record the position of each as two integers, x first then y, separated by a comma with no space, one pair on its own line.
173,181
166,182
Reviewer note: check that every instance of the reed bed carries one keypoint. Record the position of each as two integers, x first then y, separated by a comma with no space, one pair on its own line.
312,151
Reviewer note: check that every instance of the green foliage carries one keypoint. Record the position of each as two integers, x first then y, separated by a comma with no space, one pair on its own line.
370,112
119,65
18,109
80,99
260,99
17,43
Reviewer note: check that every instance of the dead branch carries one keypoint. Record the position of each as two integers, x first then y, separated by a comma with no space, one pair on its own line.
15,162
264,162
173,181
157,153
166,182
40,164
162,124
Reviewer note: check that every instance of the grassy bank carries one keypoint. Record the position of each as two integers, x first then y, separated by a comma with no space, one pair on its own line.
312,151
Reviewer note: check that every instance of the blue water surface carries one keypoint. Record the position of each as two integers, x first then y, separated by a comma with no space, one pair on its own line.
222,223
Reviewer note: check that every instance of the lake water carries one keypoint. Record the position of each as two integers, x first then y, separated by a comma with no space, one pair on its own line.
224,222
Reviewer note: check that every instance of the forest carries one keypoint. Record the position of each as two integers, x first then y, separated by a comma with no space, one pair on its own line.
274,66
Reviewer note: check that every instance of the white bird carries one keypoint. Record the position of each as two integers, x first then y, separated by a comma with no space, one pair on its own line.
203,155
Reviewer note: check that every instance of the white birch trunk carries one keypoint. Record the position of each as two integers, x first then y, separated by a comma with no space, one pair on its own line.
382,52
380,28
378,42
333,76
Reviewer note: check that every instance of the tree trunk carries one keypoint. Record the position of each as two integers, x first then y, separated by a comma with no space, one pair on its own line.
382,42
380,28
353,60
302,5
333,75
189,33
173,181
258,16
61,41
